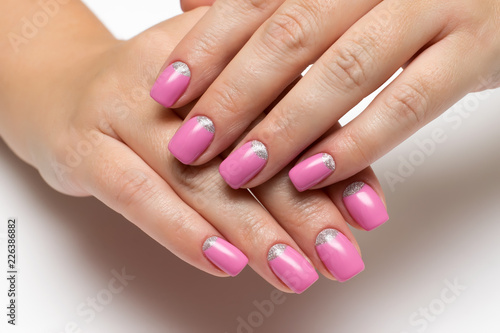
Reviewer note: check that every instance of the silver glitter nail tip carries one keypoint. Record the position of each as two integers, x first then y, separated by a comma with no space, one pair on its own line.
325,236
328,161
207,123
209,243
276,251
353,188
181,68
259,149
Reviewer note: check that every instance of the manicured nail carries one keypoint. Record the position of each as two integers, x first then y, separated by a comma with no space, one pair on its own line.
365,206
243,164
192,139
339,255
312,171
291,267
171,84
224,255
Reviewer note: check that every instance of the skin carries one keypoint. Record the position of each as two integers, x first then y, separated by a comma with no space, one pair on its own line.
447,49
78,110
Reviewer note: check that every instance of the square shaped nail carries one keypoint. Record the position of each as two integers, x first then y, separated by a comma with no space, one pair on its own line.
312,171
365,206
243,164
224,255
171,84
338,255
192,139
291,268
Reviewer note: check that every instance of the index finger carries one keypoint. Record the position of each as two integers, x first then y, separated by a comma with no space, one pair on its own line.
207,49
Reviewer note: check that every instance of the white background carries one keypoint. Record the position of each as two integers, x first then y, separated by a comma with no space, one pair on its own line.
444,226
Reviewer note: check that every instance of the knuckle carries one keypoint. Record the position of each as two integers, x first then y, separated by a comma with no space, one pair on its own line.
252,229
182,223
352,143
407,104
197,180
349,66
307,209
260,5
227,98
206,47
135,187
284,128
290,30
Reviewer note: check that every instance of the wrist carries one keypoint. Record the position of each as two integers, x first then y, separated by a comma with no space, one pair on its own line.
47,72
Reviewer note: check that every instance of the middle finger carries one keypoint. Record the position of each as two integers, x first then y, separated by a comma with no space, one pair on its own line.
294,37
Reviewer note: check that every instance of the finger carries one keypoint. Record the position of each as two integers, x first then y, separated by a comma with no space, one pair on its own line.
360,200
236,215
316,224
428,86
118,177
294,37
313,219
188,5
208,47
359,62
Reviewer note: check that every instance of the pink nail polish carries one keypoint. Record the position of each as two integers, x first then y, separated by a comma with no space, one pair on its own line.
291,267
224,255
171,84
365,206
192,139
339,255
243,164
312,171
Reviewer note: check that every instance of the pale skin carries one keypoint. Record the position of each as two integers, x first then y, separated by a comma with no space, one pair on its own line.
447,49
74,104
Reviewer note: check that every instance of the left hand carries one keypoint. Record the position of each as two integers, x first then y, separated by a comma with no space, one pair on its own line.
448,48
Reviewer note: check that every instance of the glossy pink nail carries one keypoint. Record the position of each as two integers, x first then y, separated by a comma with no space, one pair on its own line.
339,255
291,267
224,255
243,164
192,139
171,84
312,171
365,206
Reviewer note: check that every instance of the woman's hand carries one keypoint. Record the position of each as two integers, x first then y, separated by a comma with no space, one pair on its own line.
244,53
87,124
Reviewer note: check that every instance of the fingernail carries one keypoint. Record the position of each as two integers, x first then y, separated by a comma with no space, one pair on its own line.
312,171
192,139
365,206
224,255
171,84
339,255
291,267
243,164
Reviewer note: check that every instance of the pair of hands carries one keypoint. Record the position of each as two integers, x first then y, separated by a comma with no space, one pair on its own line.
89,126
96,132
